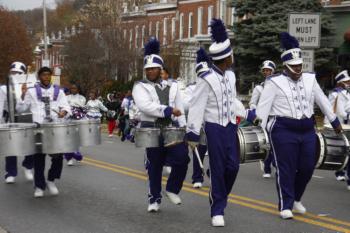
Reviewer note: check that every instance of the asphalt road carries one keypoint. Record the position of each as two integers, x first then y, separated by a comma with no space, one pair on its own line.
107,193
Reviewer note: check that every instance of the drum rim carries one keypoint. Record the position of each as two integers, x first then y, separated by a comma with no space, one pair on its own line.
56,124
242,147
145,129
17,126
345,127
321,157
86,121
174,128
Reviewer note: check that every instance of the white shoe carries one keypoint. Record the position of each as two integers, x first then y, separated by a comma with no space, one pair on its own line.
10,180
267,175
70,162
348,187
154,207
52,188
167,169
174,198
28,174
38,193
218,221
111,135
286,214
299,208
197,185
340,178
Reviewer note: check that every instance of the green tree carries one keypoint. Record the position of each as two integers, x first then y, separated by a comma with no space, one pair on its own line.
257,35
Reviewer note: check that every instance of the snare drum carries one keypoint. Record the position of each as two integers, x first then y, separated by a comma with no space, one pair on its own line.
89,132
59,137
147,137
17,139
332,150
173,136
253,144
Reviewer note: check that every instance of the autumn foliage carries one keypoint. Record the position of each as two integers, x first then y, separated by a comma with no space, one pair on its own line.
14,42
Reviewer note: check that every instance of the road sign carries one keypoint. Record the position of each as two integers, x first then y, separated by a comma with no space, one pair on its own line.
308,60
306,28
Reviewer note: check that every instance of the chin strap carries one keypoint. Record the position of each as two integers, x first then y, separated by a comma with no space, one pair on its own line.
293,71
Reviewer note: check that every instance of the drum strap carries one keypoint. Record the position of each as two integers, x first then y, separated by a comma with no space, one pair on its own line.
39,93
335,105
163,95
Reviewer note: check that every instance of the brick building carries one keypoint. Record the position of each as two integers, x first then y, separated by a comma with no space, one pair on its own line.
181,24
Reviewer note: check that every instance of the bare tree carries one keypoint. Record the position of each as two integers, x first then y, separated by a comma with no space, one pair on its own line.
85,61
14,42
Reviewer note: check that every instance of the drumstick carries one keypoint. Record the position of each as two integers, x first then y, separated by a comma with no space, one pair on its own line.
199,159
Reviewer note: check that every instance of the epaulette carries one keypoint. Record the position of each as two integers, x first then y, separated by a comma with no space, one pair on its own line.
204,74
309,73
272,75
191,84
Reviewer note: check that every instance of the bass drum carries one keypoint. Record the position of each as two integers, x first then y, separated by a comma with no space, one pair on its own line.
253,144
332,150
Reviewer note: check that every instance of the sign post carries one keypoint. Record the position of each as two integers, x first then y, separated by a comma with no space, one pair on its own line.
306,28
308,60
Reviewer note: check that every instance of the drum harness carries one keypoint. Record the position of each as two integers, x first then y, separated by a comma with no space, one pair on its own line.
46,100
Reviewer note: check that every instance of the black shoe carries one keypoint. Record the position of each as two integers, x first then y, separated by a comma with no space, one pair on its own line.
123,138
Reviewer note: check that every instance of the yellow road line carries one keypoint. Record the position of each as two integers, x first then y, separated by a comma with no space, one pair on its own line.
231,200
259,202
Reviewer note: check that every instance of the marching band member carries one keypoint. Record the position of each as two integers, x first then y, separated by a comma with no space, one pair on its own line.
126,106
94,106
160,106
267,69
11,161
77,103
113,106
47,103
214,103
340,100
167,80
203,63
286,110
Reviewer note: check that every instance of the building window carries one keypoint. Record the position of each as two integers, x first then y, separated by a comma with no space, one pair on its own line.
190,21
143,36
165,31
223,10
234,18
124,34
136,36
157,30
150,29
173,28
199,21
130,40
210,16
181,35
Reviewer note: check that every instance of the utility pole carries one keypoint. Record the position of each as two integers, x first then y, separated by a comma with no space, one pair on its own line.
46,57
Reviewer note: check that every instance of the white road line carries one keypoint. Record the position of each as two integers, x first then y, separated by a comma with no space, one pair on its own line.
318,177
